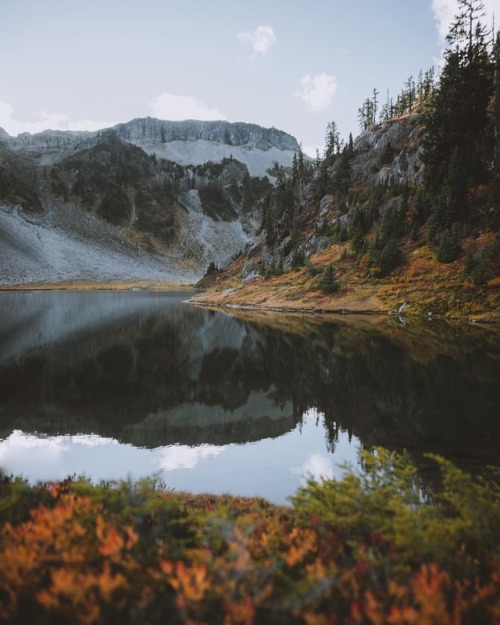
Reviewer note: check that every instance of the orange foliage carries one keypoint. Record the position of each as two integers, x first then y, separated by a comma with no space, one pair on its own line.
302,543
76,563
55,556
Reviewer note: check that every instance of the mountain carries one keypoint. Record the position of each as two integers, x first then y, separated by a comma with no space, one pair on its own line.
196,142
187,142
357,231
145,200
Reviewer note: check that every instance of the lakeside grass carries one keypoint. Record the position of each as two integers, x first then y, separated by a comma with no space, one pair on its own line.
85,285
428,287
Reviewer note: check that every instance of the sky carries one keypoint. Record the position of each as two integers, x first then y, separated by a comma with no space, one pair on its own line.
293,64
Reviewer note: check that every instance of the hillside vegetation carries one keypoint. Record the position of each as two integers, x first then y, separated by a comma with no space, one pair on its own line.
407,213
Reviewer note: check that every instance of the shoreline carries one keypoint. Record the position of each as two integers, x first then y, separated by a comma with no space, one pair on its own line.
339,312
351,305
145,285
362,300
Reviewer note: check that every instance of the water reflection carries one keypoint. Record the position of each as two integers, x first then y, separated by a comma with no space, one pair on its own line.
271,468
220,399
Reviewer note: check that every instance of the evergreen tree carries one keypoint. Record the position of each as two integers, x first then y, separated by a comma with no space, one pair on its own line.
457,119
387,110
458,142
342,174
366,114
375,104
332,140
477,268
298,258
329,282
410,91
448,248
385,254
497,103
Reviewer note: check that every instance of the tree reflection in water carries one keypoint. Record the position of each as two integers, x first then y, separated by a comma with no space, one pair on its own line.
147,369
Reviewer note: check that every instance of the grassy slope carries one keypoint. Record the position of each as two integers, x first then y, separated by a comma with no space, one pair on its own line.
422,282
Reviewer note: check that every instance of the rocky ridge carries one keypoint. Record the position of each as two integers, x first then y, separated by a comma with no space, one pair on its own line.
187,142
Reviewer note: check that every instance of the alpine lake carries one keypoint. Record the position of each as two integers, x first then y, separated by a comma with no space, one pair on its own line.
136,384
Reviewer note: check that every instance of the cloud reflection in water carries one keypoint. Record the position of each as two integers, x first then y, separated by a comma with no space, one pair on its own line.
273,467
185,457
317,467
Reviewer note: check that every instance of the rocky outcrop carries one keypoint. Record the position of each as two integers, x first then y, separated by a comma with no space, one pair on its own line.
348,192
197,142
389,152
18,180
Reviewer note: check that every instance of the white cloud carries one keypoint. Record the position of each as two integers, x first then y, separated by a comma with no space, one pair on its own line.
179,107
445,10
45,121
317,92
261,39
443,14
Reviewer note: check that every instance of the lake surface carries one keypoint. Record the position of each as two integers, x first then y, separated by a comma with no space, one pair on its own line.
115,385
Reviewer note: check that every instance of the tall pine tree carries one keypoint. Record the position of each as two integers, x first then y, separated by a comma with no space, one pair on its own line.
457,119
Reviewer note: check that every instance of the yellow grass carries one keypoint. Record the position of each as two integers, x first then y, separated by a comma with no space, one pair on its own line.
427,286
77,285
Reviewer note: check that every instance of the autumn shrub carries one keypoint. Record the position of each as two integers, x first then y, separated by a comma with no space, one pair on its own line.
375,547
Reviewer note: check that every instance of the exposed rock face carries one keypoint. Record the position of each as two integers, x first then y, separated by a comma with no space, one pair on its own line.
234,134
17,179
48,146
197,142
389,152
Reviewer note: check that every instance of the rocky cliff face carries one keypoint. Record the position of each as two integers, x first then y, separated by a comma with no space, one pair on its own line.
197,142
158,131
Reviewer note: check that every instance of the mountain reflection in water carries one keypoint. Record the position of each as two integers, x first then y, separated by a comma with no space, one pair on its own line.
99,372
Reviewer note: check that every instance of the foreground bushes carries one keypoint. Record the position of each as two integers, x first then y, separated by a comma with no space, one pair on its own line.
368,549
